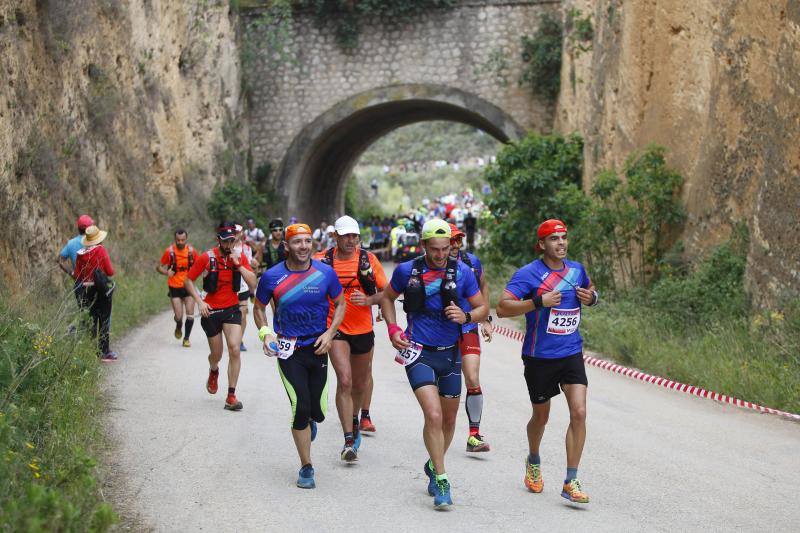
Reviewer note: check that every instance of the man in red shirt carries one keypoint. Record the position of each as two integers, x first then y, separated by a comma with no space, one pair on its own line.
225,269
176,261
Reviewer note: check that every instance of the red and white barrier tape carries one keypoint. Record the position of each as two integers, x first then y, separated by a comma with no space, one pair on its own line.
662,382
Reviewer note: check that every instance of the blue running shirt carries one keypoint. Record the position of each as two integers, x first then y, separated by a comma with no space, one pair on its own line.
551,333
430,327
301,299
477,269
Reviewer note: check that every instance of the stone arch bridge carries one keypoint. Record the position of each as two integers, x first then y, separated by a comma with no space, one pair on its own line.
313,113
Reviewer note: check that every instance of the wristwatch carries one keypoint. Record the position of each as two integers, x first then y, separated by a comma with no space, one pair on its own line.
469,317
489,319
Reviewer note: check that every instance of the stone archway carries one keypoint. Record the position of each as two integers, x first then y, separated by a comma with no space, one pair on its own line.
312,176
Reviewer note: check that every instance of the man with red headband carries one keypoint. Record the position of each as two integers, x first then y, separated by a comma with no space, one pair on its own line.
470,345
550,292
302,289
225,270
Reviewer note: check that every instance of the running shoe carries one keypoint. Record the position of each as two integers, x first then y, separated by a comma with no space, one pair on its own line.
431,473
366,425
178,333
574,492
186,343
211,383
242,347
305,479
475,443
357,441
232,404
533,477
349,454
109,357
442,499
313,429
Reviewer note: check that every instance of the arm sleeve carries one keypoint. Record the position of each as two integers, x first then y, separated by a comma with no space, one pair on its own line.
264,289
380,275
519,286
165,257
199,266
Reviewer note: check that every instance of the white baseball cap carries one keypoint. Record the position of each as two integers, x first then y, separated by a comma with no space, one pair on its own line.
347,226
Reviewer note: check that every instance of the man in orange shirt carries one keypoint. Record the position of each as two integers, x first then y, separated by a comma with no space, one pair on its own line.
363,279
177,259
225,269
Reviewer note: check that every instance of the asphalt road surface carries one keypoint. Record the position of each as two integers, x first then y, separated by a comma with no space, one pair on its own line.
655,460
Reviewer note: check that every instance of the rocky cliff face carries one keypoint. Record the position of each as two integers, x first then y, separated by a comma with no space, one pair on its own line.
717,83
118,108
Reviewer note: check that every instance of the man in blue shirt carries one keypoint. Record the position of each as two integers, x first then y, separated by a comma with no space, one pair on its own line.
66,259
302,289
550,292
436,289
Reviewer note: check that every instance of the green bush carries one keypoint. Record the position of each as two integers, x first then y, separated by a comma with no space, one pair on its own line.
542,57
237,201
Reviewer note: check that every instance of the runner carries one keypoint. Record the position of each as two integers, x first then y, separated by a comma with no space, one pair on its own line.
224,270
550,292
254,236
470,346
275,248
176,260
435,287
363,279
320,236
301,288
249,256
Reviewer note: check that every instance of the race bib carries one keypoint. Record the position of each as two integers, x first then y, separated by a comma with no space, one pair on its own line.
286,347
408,355
563,321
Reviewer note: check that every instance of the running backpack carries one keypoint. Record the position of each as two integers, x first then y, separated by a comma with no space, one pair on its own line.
414,295
173,261
211,278
366,277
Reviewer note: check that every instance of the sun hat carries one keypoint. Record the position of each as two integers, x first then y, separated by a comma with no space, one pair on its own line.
435,228
294,230
84,221
93,236
547,228
347,226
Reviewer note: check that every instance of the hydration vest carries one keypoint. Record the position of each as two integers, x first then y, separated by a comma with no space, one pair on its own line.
173,260
414,294
267,256
365,275
211,278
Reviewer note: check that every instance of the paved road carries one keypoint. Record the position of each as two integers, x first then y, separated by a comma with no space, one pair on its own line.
655,460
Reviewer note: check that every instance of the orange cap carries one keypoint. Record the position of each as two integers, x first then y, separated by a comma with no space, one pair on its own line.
293,230
455,233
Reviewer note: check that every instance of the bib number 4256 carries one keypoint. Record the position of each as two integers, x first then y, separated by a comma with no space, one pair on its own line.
563,321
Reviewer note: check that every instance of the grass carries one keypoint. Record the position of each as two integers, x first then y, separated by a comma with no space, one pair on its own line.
51,407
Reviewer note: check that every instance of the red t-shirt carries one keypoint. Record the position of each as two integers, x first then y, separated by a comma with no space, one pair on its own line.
90,259
224,295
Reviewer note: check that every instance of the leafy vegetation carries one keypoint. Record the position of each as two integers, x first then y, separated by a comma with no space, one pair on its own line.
238,201
541,54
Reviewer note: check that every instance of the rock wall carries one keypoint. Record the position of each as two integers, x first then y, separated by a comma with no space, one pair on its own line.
717,83
118,108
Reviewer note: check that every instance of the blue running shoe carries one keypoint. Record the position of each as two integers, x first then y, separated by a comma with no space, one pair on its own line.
442,499
357,441
431,478
305,479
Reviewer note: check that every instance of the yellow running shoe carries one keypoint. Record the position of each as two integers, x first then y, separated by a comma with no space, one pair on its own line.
533,477
574,492
186,343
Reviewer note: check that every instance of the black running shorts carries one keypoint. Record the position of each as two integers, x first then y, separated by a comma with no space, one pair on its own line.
546,376
227,315
244,296
178,292
359,344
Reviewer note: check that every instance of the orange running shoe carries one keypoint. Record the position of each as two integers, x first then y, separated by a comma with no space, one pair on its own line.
533,477
574,492
366,425
211,383
232,404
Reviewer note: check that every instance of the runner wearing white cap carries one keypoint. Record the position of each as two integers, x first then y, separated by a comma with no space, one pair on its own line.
363,279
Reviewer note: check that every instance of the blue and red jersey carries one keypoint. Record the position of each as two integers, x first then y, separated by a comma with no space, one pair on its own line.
431,327
551,333
301,299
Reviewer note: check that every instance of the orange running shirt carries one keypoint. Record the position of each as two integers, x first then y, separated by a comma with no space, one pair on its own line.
357,318
182,260
224,296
